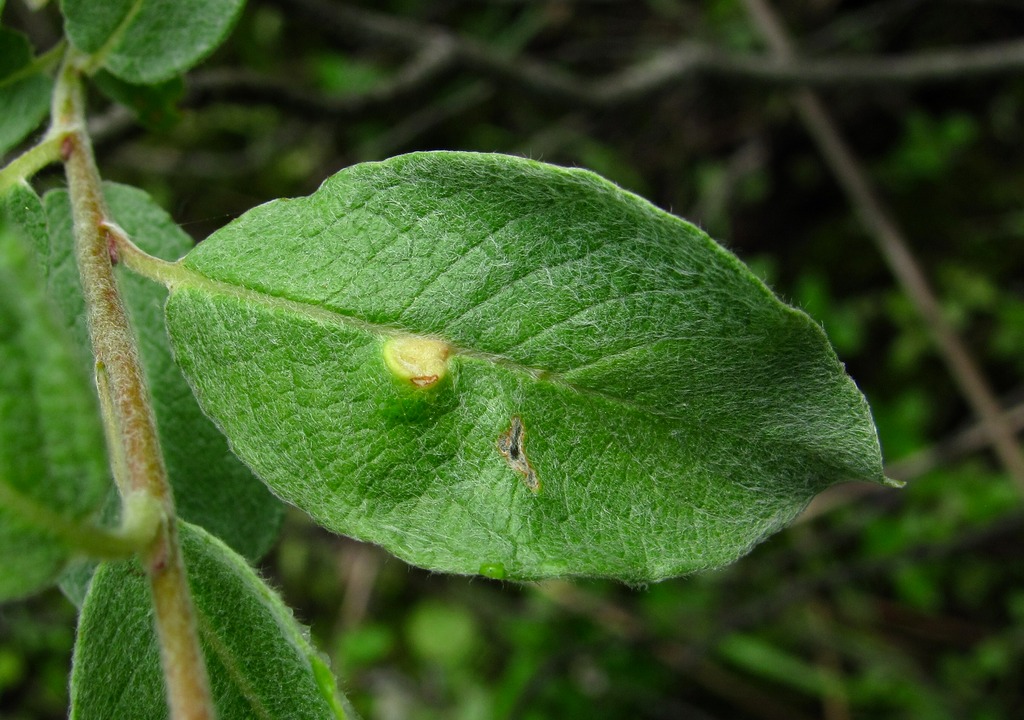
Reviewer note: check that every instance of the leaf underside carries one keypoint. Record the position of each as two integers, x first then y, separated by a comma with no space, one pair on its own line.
260,661
671,410
24,90
52,458
149,41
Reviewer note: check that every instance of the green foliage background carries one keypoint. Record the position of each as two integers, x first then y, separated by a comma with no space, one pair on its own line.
896,605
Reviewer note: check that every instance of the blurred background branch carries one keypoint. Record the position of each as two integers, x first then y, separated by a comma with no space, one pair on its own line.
890,240
440,47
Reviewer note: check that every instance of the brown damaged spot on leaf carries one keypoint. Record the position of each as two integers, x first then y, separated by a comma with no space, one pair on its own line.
512,446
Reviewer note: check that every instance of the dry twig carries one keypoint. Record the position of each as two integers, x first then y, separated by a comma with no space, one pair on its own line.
664,69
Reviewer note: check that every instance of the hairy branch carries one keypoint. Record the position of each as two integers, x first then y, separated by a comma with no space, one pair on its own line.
128,415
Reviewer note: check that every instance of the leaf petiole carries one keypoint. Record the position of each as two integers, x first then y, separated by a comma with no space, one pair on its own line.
140,524
137,259
31,161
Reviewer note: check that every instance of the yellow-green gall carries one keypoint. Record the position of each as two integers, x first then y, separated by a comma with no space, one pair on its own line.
422,362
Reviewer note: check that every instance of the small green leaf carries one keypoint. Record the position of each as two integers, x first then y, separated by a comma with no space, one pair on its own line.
53,471
211,487
24,90
485,362
149,41
260,660
15,52
155,106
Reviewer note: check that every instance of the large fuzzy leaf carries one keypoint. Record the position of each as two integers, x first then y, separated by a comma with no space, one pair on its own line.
488,364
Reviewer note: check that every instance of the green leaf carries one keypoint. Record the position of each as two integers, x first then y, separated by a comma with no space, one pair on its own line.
74,581
155,106
24,90
53,470
149,41
485,363
15,52
260,660
211,487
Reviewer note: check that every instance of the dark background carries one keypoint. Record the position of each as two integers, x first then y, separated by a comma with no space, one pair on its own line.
892,604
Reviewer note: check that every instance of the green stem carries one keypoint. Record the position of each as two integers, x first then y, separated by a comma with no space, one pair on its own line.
50,60
93,541
45,63
31,161
129,418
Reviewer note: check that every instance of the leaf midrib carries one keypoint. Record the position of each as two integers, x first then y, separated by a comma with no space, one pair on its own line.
177,276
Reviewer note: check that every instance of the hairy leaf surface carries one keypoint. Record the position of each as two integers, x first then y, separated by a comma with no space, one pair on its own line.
148,41
260,660
488,364
212,487
52,460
